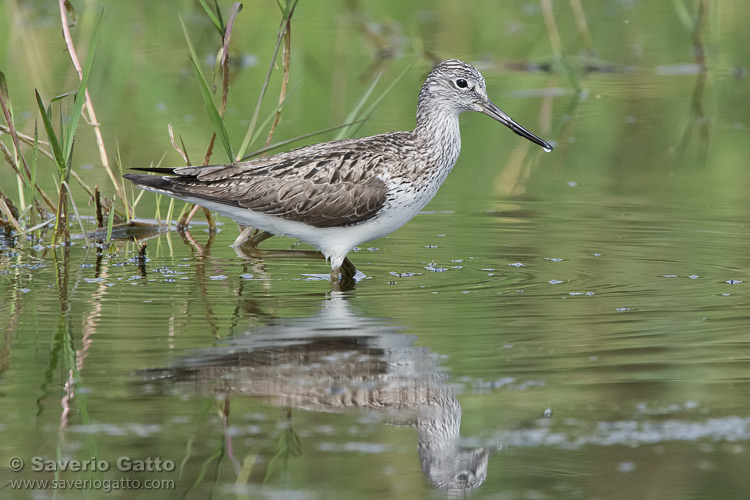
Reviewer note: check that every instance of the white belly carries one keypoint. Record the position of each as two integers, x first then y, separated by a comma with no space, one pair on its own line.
334,242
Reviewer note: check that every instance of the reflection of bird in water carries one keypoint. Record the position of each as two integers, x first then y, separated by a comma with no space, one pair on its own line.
337,361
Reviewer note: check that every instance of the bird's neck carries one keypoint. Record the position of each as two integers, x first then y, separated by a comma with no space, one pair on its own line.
438,130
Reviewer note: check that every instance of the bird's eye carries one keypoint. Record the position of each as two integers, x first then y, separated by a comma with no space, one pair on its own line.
461,83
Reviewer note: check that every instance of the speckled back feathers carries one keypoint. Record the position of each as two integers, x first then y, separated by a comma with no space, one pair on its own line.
342,183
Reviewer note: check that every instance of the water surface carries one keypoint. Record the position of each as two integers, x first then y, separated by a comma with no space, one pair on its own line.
562,325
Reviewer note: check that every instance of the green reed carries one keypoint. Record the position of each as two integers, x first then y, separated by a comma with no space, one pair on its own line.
60,119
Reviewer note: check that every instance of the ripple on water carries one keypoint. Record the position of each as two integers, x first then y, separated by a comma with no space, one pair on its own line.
578,433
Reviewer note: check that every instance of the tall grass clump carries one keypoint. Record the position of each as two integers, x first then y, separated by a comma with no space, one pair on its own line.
60,118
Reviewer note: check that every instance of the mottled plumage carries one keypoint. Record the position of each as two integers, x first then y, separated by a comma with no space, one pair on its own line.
337,195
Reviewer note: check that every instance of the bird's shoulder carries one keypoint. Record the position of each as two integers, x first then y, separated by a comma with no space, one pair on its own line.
342,161
330,184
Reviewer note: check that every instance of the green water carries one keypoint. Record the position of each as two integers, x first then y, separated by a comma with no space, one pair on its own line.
563,325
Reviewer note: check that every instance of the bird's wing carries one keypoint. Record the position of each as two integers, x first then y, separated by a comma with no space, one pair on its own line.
324,185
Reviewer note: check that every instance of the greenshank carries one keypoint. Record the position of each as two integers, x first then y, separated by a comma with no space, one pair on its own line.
339,194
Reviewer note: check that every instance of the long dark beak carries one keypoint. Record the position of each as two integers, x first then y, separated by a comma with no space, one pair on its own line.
489,109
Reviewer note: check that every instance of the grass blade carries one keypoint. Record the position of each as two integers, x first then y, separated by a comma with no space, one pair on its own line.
376,103
34,159
80,97
288,12
218,13
279,144
7,109
38,226
271,116
78,217
110,224
62,96
4,91
213,113
218,23
170,212
51,135
344,132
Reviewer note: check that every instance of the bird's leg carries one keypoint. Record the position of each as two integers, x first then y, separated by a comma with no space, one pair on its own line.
335,276
253,241
259,237
183,223
243,236
342,277
211,222
348,269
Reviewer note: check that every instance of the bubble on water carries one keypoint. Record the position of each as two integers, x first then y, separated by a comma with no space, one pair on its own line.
626,467
435,269
403,275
